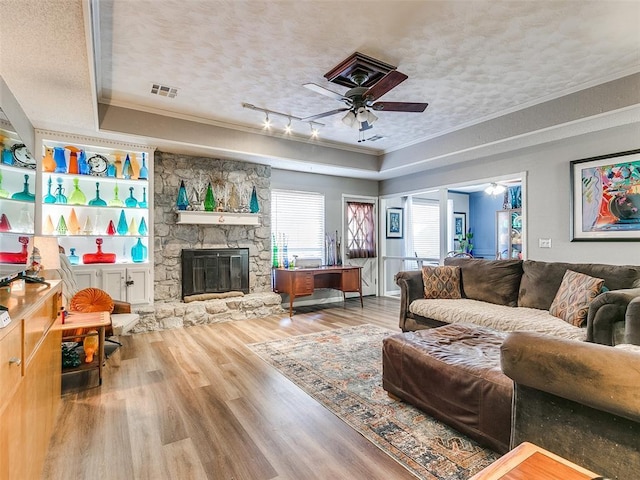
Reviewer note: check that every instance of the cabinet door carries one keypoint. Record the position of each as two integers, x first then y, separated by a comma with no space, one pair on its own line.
113,283
86,278
137,285
351,280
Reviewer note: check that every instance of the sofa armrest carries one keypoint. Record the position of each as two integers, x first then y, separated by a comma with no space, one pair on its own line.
411,288
632,322
599,376
605,310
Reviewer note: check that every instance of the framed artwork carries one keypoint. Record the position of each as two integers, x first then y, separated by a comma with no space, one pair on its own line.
605,197
395,222
459,228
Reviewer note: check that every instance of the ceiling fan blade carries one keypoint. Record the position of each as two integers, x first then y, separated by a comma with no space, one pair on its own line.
399,106
326,92
322,115
386,83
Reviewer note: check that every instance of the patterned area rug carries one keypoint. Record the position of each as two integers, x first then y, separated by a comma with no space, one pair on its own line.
342,369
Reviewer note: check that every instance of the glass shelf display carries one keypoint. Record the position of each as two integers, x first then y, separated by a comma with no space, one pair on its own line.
509,234
97,194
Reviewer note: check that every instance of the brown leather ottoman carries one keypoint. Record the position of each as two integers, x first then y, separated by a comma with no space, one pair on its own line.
453,374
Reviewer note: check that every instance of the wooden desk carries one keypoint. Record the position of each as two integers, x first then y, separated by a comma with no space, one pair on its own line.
298,282
89,321
530,461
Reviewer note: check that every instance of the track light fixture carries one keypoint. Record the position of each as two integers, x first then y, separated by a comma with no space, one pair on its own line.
288,129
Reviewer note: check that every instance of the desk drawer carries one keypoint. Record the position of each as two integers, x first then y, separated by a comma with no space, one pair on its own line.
11,360
351,280
303,283
37,325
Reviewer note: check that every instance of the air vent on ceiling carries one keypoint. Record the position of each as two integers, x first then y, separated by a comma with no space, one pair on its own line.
374,138
163,90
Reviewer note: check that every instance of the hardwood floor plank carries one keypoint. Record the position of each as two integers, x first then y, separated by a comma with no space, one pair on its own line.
196,403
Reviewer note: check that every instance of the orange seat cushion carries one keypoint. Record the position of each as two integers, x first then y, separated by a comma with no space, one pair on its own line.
91,300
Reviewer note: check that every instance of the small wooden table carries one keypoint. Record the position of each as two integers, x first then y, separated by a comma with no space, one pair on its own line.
528,461
297,282
93,320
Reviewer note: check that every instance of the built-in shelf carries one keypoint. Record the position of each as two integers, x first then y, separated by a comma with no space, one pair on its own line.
186,217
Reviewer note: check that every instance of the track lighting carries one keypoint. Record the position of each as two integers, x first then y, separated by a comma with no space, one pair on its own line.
314,130
287,129
267,120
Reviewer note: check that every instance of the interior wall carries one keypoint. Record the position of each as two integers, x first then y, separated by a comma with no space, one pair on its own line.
482,212
548,191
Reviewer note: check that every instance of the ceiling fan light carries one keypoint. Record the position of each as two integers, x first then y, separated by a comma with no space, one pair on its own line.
349,119
371,117
361,114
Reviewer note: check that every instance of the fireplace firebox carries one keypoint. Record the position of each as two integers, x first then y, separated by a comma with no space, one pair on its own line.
215,270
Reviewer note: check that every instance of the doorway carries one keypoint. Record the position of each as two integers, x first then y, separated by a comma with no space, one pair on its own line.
360,234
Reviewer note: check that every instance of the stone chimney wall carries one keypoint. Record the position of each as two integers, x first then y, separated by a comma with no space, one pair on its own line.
170,238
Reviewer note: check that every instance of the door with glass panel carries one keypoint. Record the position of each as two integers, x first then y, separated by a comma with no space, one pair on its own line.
360,239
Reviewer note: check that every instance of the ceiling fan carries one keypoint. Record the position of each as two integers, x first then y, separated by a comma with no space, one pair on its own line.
359,72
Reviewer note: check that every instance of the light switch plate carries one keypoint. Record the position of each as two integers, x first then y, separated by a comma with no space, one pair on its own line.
544,242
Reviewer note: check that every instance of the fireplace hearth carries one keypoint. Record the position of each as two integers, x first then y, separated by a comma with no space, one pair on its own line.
215,270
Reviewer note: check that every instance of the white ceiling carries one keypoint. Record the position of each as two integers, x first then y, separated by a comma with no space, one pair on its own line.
472,61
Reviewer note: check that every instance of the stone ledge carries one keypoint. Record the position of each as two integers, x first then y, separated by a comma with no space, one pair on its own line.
167,315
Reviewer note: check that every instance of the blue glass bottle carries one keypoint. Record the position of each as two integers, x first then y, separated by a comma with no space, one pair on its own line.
253,204
126,168
123,227
60,197
83,165
7,157
142,228
131,202
73,258
49,198
25,195
143,203
111,170
97,202
183,202
60,159
139,252
144,172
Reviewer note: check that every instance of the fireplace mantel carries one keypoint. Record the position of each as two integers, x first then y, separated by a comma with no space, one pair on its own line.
189,217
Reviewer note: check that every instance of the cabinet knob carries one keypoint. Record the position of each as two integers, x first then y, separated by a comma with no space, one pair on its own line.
128,283
15,360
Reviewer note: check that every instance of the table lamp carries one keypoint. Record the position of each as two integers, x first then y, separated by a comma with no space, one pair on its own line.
45,255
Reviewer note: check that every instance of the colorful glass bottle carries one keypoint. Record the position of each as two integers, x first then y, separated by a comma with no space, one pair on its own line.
142,228
254,207
209,200
97,202
83,165
133,227
5,225
144,172
48,226
77,197
143,203
25,195
49,198
87,228
135,166
111,169
274,254
139,252
7,157
126,168
123,227
99,256
115,201
73,258
131,201
60,196
61,160
25,220
111,228
118,165
74,224
62,226
73,160
48,163
183,202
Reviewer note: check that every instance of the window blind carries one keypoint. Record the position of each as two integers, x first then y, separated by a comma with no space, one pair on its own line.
299,217
425,227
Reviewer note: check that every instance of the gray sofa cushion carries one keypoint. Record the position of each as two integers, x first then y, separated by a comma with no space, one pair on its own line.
493,281
541,280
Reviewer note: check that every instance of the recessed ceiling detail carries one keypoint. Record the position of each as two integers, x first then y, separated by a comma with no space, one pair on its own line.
163,90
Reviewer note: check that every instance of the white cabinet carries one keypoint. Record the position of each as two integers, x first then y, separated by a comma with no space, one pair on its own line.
96,197
128,283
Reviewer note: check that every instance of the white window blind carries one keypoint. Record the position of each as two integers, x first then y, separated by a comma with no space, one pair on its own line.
425,227
299,216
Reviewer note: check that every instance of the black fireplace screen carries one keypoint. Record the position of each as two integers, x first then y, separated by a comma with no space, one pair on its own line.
215,270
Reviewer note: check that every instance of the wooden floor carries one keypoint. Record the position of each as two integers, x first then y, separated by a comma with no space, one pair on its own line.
196,403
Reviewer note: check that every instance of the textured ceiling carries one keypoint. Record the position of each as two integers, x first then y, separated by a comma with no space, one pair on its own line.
471,60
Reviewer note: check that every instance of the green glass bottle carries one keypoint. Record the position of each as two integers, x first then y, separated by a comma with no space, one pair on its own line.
3,193
77,197
209,200
115,201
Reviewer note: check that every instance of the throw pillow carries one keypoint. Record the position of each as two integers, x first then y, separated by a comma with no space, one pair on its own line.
91,300
572,300
441,282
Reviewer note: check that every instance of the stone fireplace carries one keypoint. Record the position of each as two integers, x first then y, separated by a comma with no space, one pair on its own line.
171,238
215,270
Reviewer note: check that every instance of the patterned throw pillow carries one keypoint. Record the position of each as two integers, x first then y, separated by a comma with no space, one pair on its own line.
572,300
441,282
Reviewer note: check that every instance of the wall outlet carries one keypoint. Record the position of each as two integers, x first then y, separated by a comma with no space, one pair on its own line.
544,242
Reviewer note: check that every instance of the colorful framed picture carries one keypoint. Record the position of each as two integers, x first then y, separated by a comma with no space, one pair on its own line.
459,228
605,197
395,222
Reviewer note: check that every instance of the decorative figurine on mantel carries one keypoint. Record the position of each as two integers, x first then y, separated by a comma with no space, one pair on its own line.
182,202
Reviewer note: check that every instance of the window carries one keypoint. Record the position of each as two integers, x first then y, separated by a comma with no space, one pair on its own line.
360,230
298,218
425,227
